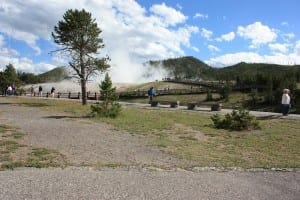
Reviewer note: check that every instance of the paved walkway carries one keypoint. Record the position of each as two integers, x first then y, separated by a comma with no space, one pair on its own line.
144,184
208,111
259,114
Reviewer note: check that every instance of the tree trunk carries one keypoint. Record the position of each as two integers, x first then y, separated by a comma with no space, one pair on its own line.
83,91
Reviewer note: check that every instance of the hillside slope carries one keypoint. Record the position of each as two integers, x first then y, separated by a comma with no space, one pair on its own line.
54,75
193,69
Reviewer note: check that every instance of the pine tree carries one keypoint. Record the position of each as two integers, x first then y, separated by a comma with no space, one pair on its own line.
79,34
109,107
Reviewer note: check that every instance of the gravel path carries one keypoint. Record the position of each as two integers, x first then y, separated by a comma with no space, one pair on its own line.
83,183
83,141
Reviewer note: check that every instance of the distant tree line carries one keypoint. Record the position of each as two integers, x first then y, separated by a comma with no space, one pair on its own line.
10,76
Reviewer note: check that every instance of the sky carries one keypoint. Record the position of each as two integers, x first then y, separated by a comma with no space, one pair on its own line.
217,32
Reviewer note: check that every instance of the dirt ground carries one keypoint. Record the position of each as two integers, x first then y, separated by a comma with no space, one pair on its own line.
82,141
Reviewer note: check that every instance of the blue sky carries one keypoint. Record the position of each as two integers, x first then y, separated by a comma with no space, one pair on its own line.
218,32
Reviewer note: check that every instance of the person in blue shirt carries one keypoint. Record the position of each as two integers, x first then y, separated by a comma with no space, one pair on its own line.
151,94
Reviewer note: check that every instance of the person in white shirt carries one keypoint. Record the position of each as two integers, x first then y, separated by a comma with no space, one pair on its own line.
9,90
285,101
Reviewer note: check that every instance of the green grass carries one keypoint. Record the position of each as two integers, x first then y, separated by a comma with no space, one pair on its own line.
42,157
191,136
10,147
275,145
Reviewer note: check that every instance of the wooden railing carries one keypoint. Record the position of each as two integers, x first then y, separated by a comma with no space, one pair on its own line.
128,94
66,95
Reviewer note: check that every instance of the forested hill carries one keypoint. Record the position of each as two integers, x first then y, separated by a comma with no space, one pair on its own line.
185,68
54,75
192,68
253,69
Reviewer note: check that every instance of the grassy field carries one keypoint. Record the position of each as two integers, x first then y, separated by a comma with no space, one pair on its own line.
190,135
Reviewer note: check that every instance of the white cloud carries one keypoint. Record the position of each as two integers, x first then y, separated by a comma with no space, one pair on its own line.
18,20
200,15
26,65
251,57
283,48
169,15
288,36
297,48
213,48
1,40
226,37
128,29
179,6
230,59
196,49
258,33
6,52
206,33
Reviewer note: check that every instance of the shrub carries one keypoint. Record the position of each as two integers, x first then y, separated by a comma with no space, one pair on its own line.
112,110
108,107
237,120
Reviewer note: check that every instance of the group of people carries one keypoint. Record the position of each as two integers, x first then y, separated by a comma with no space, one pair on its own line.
40,94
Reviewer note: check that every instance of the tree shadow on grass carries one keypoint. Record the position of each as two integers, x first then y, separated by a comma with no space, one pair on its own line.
68,117
27,104
35,104
267,117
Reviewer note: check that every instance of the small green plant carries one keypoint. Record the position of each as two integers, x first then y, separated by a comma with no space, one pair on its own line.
237,120
108,107
42,157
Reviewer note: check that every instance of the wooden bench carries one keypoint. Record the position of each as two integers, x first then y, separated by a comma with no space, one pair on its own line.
92,97
173,104
192,105
74,97
214,106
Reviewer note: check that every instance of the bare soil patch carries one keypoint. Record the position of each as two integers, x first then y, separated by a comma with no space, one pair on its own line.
80,140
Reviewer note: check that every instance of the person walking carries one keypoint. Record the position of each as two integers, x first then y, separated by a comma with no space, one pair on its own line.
9,90
40,91
32,91
53,91
286,102
151,93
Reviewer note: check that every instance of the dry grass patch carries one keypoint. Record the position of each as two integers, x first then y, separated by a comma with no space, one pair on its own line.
191,136
14,154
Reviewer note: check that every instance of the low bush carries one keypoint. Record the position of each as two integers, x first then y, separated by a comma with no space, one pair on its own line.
237,120
111,110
